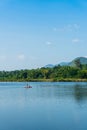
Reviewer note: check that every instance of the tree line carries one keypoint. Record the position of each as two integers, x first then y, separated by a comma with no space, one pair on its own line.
57,73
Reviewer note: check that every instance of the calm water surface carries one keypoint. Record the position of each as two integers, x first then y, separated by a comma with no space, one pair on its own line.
45,106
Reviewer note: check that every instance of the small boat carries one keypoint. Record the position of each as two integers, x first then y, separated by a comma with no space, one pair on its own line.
28,86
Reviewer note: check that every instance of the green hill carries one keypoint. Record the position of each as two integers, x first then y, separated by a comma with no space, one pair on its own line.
81,60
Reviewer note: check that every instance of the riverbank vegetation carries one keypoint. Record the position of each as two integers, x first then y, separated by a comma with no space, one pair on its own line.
57,73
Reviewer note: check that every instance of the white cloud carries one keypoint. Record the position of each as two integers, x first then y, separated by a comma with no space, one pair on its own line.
48,43
63,29
72,27
68,27
54,29
76,26
76,40
21,56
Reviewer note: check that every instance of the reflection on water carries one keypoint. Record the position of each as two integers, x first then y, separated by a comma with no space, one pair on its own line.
69,90
45,106
80,92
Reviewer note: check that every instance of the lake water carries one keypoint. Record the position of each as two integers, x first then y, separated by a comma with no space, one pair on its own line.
45,106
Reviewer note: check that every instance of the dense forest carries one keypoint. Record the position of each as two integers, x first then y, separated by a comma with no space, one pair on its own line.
57,73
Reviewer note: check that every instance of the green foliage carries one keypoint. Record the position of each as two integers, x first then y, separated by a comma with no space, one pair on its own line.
58,73
78,63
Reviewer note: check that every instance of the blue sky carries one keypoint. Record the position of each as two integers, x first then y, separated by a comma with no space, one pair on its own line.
34,33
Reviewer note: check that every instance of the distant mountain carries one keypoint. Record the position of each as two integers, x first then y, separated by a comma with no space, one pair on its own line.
49,66
82,60
63,63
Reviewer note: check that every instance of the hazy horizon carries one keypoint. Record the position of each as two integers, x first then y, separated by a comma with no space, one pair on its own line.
40,32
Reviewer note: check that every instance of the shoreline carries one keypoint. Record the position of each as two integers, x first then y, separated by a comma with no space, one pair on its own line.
46,80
